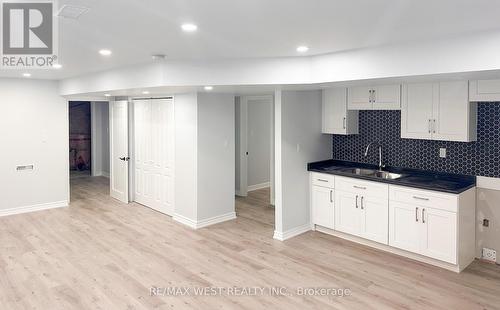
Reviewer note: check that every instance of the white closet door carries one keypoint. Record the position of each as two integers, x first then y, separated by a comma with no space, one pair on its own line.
154,143
118,124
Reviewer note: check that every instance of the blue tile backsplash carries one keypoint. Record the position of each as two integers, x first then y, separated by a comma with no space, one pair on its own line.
474,158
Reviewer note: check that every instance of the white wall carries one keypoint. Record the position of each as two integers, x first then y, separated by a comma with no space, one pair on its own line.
34,130
298,141
100,139
186,152
216,148
204,157
259,142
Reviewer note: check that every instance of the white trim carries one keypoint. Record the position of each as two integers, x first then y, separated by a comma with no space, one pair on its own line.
388,248
488,183
195,224
243,152
105,174
184,220
278,184
258,186
34,208
282,236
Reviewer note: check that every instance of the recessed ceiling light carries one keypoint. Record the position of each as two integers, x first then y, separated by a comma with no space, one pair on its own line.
208,87
105,52
57,66
189,27
145,92
26,74
107,95
302,49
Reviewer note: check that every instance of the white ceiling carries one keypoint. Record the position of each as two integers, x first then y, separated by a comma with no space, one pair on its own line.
134,29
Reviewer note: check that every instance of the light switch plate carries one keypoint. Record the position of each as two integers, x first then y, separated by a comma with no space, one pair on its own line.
442,152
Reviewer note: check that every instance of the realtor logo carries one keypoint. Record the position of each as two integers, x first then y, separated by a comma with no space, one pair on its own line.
28,34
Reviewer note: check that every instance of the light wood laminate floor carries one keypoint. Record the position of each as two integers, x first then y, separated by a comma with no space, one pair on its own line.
102,254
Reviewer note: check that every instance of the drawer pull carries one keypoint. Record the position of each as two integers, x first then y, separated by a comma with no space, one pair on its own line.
359,187
420,198
322,180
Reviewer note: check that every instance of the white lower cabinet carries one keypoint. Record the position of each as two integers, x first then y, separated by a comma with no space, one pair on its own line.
438,227
427,223
322,206
361,209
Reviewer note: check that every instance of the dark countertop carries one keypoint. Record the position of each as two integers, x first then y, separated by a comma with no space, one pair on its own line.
430,180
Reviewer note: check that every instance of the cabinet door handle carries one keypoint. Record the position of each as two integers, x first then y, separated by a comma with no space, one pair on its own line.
416,214
362,197
373,94
356,201
344,123
423,215
359,187
434,126
331,194
429,125
420,198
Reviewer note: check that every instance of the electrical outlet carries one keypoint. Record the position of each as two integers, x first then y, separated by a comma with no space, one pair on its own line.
442,152
486,223
489,255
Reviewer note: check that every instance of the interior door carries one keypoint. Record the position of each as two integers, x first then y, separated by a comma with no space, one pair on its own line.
118,124
451,112
154,154
416,110
347,212
405,226
322,206
376,219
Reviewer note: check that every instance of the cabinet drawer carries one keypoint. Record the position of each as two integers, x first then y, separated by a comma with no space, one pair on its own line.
322,179
372,189
436,200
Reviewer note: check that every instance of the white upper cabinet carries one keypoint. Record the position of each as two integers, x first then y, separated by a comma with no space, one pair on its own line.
382,97
438,111
336,118
484,90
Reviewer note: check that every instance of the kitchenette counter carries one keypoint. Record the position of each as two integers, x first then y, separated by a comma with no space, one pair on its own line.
430,180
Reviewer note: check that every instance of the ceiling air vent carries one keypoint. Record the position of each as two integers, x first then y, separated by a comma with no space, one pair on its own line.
72,11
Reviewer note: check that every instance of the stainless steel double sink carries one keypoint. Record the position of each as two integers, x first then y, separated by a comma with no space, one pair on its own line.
373,173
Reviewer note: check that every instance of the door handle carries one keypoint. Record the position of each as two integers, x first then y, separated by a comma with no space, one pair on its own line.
429,126
344,123
356,201
434,126
125,158
373,95
362,197
416,214
331,193
423,215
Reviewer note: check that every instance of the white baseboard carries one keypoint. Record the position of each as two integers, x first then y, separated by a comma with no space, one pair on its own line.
195,224
258,186
282,236
34,208
105,174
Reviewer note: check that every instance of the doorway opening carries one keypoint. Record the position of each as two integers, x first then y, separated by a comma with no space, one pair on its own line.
80,157
89,148
254,182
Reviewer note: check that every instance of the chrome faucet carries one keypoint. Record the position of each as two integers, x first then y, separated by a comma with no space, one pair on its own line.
380,165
